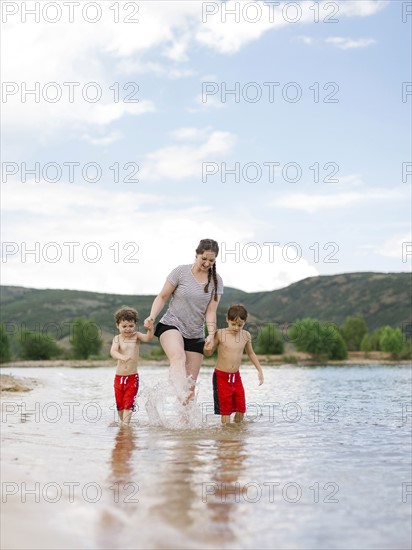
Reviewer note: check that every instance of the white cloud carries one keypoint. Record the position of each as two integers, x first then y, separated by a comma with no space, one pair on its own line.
137,238
82,53
312,203
185,159
308,40
231,25
212,102
363,8
349,43
236,24
256,266
108,139
352,180
159,41
397,246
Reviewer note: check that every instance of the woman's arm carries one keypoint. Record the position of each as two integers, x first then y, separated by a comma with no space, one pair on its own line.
211,345
210,319
158,304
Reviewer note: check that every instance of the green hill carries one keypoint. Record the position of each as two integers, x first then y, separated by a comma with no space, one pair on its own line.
382,298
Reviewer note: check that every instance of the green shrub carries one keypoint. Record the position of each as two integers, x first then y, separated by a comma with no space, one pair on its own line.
5,353
318,339
269,341
291,359
86,339
392,341
366,344
157,352
353,330
36,346
375,339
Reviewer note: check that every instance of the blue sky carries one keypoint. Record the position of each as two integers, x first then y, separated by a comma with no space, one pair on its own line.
318,131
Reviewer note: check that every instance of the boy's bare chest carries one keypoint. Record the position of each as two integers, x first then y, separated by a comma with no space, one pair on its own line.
233,341
128,345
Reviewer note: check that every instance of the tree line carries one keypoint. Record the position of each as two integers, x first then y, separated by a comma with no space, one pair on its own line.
85,343
322,340
330,341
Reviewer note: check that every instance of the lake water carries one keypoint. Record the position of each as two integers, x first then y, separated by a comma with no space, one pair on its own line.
323,461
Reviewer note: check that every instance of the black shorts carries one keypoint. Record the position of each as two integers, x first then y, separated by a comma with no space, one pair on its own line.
189,344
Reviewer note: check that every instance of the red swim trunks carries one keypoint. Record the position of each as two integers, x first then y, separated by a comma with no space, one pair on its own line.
125,391
228,393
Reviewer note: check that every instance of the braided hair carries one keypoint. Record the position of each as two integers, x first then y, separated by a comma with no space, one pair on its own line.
212,246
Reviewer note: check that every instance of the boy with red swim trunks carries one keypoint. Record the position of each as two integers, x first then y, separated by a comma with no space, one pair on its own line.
125,348
228,392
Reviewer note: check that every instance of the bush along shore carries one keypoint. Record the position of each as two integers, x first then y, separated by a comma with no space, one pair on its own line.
303,340
299,359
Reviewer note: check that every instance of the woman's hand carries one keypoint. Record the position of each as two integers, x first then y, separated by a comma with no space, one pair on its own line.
148,323
209,342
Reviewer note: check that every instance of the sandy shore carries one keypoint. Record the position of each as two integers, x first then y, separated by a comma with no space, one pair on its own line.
11,383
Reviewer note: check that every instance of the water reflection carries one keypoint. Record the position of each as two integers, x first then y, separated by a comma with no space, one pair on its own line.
199,487
192,481
176,488
223,492
122,488
125,444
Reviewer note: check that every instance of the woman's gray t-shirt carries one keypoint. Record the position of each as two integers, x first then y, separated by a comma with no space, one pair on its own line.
189,301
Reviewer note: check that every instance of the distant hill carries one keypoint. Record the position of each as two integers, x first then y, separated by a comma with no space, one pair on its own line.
382,298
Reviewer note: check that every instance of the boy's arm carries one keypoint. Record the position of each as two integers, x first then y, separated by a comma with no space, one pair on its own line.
114,350
210,346
253,357
148,337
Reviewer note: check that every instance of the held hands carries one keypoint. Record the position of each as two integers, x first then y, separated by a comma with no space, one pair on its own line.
209,342
208,346
148,323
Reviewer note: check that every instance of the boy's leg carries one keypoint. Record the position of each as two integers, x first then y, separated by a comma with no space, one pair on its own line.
127,415
222,396
118,395
131,387
239,401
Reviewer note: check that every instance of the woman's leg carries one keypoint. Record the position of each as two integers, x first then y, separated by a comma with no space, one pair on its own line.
193,363
172,344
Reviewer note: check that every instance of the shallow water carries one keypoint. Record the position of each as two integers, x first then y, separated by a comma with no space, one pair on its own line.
323,461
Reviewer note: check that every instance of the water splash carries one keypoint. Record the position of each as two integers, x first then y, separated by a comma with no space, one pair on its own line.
169,407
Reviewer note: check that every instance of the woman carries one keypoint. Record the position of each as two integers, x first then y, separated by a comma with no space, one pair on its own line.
194,292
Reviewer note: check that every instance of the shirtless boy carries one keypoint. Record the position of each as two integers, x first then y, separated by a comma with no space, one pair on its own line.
125,348
228,391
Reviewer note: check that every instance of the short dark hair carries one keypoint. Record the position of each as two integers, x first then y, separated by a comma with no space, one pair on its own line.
235,311
125,313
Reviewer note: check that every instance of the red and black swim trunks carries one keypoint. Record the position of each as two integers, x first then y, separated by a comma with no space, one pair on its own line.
125,391
228,393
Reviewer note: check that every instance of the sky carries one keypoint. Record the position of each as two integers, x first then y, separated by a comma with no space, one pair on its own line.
131,130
